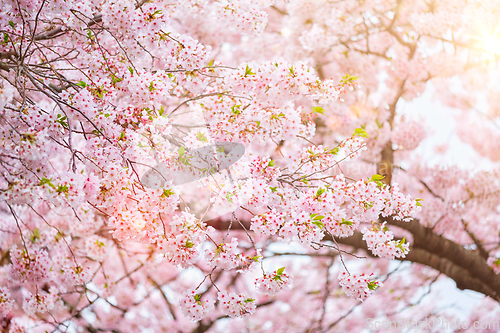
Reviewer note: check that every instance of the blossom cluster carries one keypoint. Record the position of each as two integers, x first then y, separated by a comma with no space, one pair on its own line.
236,305
225,256
358,286
409,135
193,307
271,284
494,263
100,124
380,241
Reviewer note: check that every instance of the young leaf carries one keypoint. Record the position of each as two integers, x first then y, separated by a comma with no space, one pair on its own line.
320,192
167,193
361,132
373,285
201,137
334,151
376,177
318,109
248,71
346,222
319,224
280,271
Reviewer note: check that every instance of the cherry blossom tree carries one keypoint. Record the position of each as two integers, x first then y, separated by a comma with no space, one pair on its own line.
226,166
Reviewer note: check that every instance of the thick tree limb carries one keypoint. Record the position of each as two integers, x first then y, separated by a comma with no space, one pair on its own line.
466,267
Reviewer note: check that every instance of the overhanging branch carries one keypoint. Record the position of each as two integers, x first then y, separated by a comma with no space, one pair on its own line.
467,268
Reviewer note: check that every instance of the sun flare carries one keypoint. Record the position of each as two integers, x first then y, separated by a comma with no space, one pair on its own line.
491,44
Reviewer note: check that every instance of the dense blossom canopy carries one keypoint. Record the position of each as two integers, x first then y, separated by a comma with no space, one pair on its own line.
243,165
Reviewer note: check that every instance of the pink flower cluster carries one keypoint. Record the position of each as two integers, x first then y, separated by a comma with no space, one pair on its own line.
33,266
271,284
193,307
40,302
494,263
358,286
380,242
236,305
408,135
268,223
225,256
6,303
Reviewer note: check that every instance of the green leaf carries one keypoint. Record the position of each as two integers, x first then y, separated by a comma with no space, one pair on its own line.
161,112
274,189
346,222
418,203
167,193
201,137
46,181
361,132
211,63
346,79
235,109
280,271
181,151
292,72
318,109
197,297
131,70
319,224
255,258
81,84
189,244
376,177
11,24
248,71
62,188
400,244
228,197
320,192
35,235
271,163
62,121
373,285
151,86
497,262
334,151
249,300
115,79
156,12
